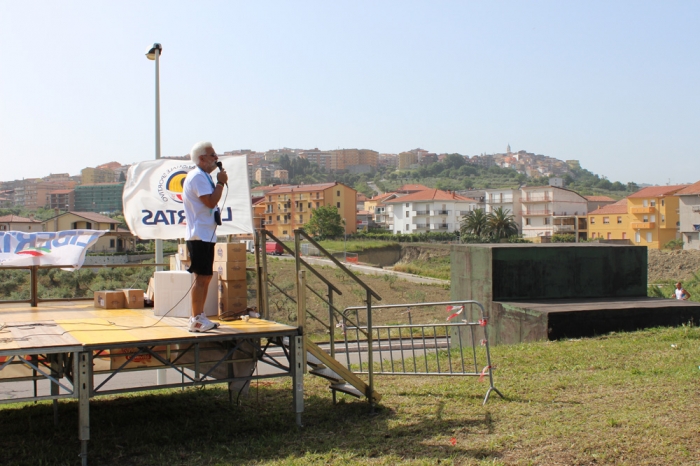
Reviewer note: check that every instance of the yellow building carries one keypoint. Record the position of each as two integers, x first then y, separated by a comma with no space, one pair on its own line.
97,175
406,159
610,222
290,207
114,240
343,159
653,213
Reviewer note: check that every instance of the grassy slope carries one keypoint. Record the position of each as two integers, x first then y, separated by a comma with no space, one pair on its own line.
619,399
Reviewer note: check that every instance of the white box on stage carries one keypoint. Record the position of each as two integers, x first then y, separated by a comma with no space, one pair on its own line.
172,291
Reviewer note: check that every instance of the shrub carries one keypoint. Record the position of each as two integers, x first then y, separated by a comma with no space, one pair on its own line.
674,244
563,238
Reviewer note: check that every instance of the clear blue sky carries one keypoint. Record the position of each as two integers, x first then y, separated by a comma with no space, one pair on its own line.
613,84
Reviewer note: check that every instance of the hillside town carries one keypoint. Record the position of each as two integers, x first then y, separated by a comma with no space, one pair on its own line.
651,217
98,189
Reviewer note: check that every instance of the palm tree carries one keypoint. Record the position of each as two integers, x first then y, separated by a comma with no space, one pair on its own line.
474,223
501,223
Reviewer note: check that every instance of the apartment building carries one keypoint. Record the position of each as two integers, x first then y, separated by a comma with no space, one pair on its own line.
689,213
7,198
344,159
507,199
387,160
654,217
282,175
290,207
610,222
263,175
104,197
34,193
97,175
430,210
379,211
62,199
318,157
545,206
407,160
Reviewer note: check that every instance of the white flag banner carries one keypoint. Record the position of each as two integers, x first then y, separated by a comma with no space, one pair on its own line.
152,198
68,248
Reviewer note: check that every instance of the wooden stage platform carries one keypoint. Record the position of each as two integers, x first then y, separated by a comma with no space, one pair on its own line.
66,344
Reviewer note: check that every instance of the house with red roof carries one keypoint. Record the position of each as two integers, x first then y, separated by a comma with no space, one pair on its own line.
376,207
17,223
610,222
689,215
596,202
654,217
114,240
429,210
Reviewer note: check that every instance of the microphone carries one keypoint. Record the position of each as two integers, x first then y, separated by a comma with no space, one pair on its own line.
221,167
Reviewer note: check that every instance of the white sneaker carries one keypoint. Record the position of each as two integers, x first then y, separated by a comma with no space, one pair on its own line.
200,323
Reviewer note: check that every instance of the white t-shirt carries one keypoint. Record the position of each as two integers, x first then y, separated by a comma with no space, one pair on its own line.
679,293
200,218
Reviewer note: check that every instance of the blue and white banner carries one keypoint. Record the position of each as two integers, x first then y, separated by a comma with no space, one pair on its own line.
153,198
67,248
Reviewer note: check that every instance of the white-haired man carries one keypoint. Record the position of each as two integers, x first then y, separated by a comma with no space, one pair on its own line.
200,198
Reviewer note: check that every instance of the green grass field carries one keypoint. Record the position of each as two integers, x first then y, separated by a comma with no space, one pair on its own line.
629,398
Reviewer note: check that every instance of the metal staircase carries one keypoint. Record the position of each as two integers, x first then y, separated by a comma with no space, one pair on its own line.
322,363
342,379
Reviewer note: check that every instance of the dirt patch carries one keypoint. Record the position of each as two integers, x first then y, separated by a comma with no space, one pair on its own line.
410,253
672,265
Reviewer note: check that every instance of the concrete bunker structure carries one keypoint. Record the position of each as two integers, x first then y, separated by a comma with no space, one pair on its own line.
553,291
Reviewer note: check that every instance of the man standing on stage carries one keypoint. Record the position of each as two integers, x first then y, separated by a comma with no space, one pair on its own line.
200,198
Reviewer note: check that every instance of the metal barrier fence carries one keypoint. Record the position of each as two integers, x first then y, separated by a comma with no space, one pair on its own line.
429,349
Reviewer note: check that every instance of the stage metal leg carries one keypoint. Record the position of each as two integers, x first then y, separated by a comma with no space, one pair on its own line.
297,353
84,386
56,372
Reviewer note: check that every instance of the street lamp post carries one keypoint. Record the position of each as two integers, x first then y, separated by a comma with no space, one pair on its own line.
154,53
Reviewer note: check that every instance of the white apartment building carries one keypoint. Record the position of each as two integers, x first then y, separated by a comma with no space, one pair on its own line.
689,215
547,210
508,199
429,210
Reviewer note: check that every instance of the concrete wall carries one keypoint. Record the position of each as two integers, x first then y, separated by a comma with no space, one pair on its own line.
509,272
551,272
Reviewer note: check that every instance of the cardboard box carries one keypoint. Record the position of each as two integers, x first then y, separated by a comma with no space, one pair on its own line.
178,264
128,356
108,299
233,289
232,304
230,270
133,298
172,294
182,252
230,252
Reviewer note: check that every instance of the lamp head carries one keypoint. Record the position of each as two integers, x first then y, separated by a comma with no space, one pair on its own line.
151,54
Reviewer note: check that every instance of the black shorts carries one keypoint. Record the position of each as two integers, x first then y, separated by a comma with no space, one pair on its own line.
201,257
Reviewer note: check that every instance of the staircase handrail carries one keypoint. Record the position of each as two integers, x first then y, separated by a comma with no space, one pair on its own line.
338,263
306,264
